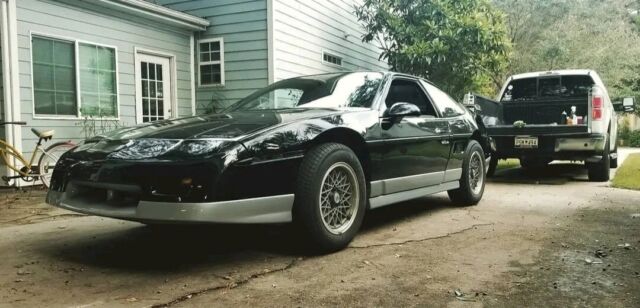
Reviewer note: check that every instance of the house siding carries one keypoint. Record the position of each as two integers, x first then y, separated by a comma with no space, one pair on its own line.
243,26
87,22
303,30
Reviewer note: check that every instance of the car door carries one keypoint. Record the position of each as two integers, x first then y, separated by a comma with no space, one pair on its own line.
416,148
461,130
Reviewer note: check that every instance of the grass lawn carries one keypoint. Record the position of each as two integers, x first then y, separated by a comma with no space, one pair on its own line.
628,175
508,164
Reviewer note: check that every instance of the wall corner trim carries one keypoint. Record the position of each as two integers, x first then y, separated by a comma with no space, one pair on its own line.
271,41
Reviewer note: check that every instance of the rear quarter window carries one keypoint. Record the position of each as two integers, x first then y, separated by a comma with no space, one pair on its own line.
448,106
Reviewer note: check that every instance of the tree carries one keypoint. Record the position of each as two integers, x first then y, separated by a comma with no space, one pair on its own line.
457,44
565,34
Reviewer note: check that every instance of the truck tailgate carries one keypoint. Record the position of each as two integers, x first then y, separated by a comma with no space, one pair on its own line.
537,130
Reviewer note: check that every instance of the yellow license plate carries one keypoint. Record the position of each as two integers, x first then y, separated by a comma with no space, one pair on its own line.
526,142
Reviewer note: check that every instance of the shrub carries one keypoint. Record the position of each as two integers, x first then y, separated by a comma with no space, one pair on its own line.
634,138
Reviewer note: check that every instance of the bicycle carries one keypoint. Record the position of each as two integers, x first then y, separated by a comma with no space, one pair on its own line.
30,172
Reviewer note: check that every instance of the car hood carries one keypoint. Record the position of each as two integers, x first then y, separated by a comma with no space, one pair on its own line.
219,126
190,137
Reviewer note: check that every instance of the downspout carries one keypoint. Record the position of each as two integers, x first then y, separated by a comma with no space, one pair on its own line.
192,46
11,78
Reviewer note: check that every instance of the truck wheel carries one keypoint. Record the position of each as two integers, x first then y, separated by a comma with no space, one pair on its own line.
330,197
493,164
599,172
613,163
473,177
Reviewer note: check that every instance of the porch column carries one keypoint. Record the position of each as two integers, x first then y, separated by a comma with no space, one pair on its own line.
10,73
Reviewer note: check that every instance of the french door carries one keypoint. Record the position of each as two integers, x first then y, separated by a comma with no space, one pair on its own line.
153,88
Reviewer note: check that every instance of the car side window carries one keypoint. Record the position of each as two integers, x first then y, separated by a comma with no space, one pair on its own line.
408,91
448,106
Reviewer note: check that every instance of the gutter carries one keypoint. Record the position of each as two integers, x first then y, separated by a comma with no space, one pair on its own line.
157,12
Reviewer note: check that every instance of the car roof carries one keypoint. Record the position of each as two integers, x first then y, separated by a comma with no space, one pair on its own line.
325,76
553,73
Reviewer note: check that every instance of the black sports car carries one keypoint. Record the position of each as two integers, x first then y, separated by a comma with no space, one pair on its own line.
317,151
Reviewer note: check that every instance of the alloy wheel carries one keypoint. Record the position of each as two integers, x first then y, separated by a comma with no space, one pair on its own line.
339,198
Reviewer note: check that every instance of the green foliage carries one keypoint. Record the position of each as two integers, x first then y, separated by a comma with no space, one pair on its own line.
458,44
634,139
624,130
93,123
602,35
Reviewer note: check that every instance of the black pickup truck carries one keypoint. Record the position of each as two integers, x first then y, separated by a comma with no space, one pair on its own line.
546,116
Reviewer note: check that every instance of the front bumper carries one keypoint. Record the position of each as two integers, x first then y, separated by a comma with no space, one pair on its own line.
272,209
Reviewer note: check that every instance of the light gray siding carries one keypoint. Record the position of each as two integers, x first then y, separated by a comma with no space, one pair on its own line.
83,21
304,29
243,26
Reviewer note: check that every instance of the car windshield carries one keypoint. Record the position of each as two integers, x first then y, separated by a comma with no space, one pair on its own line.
319,91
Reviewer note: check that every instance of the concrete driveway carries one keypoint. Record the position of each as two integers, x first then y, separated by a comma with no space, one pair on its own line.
545,239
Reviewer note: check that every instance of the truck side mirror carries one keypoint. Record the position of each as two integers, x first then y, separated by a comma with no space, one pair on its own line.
628,104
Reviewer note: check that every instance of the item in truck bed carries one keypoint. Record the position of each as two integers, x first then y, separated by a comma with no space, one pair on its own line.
519,124
563,118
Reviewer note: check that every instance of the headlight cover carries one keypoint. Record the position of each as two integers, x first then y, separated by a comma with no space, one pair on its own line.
144,149
199,147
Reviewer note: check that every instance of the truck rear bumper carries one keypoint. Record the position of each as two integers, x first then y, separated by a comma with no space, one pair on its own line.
594,143
583,147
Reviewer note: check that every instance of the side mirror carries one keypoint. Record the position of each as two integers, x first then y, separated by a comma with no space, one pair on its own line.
399,110
628,104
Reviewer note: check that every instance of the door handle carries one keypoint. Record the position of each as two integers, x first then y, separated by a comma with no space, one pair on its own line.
444,141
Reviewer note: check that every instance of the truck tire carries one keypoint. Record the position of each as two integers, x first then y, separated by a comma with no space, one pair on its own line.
493,165
599,172
330,197
614,161
473,177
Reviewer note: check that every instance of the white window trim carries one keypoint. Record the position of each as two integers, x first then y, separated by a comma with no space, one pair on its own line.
138,74
76,43
324,52
221,62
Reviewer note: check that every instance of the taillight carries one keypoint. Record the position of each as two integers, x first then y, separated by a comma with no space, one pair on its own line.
596,107
597,102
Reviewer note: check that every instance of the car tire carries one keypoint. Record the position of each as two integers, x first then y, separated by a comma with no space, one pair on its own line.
613,163
599,172
493,165
330,197
473,177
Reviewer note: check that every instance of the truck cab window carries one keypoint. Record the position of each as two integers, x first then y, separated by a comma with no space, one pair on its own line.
407,91
527,89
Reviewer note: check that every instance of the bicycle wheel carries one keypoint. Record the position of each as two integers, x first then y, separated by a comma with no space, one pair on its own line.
49,158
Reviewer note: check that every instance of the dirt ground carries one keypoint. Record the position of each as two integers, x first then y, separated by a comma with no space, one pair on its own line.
545,239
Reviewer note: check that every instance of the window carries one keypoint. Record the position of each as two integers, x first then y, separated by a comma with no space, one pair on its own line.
331,59
98,80
54,82
211,59
408,91
55,74
447,106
